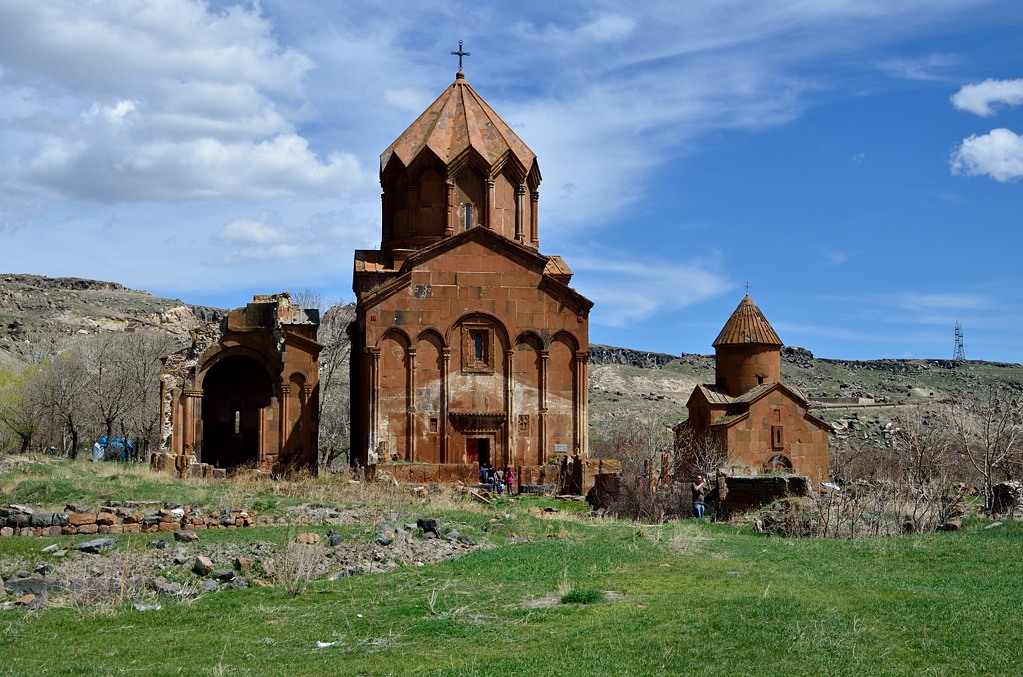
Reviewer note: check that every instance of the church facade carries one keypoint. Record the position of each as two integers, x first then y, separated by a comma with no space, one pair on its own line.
759,422
469,346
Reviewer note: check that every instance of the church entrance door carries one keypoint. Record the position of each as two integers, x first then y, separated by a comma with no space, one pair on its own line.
478,451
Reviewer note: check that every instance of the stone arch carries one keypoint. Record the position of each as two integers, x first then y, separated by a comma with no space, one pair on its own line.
238,393
216,354
429,395
405,338
475,315
527,431
562,396
394,396
778,463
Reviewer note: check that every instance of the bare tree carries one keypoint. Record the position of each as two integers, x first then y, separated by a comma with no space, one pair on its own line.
335,395
698,454
62,390
140,360
109,394
988,434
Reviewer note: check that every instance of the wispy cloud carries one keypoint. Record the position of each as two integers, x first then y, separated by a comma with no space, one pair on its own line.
635,290
928,68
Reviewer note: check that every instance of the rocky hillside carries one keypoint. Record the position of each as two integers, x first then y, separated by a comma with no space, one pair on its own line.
38,314
628,382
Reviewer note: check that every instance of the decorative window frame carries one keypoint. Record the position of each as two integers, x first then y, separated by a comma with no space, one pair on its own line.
777,437
470,361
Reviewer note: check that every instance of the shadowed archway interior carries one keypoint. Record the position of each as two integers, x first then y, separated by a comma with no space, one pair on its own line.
235,391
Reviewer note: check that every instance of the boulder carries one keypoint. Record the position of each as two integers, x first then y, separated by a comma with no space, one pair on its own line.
203,565
97,545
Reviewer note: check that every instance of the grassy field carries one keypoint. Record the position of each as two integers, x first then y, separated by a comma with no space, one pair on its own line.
679,598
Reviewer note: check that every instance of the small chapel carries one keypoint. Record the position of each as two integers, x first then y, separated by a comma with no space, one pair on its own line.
469,346
759,422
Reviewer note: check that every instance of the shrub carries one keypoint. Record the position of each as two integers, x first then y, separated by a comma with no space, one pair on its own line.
583,596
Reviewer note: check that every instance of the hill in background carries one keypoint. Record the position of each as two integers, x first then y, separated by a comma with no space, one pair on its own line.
38,315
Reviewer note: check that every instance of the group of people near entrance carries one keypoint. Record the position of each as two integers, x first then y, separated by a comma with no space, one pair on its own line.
498,480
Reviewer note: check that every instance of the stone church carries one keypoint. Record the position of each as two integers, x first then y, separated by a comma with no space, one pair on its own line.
761,423
469,346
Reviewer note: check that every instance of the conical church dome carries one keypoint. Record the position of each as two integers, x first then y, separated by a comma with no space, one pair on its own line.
458,166
747,351
747,325
459,120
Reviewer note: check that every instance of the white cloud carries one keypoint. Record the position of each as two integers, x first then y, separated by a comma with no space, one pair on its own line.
986,98
631,291
268,238
266,229
130,101
998,154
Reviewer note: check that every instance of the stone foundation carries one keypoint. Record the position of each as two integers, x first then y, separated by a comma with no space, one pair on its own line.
739,494
185,466
128,518
566,475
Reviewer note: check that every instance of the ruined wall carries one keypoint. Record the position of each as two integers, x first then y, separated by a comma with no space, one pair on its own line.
245,391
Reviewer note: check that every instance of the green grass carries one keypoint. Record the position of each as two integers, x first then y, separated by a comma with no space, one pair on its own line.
685,598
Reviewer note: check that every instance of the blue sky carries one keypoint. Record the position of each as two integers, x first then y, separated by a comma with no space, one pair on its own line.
856,162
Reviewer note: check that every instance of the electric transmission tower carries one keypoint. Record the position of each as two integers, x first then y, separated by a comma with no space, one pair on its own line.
960,352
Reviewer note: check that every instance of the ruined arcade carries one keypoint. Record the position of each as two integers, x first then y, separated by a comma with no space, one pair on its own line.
244,393
469,347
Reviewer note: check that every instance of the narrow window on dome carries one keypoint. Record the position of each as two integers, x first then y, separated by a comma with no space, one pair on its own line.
468,217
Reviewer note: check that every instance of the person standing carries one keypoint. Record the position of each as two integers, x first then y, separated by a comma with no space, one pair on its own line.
699,489
509,479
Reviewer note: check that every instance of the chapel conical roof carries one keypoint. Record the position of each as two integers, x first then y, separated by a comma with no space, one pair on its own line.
747,325
458,120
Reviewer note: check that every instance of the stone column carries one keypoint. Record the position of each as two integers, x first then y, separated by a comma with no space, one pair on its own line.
491,205
373,376
449,204
386,218
410,415
541,452
582,359
284,422
509,410
534,207
192,423
444,371
520,214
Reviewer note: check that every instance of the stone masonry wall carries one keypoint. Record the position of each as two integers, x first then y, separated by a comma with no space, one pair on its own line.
127,517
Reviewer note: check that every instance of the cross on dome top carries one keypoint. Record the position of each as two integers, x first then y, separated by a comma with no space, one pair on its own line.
460,53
